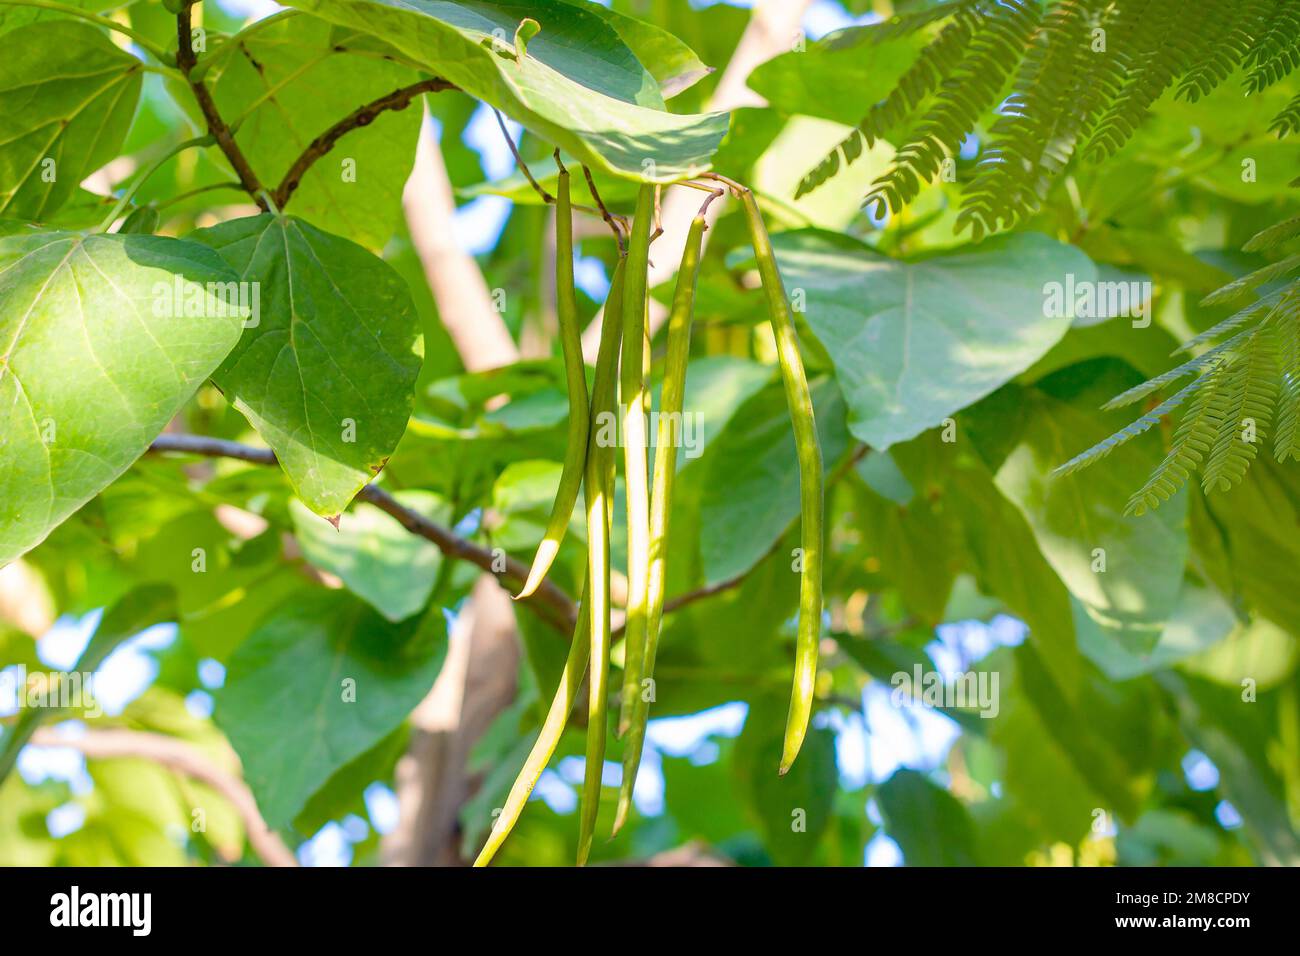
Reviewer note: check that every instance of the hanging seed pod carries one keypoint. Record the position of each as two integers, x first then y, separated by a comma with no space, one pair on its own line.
667,440
575,666
810,482
599,478
575,373
632,395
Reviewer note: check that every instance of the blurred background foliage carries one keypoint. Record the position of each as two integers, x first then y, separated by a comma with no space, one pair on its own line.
1146,715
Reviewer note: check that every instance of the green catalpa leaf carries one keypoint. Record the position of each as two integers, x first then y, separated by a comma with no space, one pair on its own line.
914,342
833,82
929,824
102,339
67,95
579,85
13,17
380,561
326,368
321,681
793,810
290,83
673,64
1124,574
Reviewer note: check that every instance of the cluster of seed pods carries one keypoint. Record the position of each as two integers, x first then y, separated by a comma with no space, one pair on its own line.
620,388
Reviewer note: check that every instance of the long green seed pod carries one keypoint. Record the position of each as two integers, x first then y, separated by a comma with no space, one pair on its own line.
575,372
548,739
632,396
667,440
811,489
599,478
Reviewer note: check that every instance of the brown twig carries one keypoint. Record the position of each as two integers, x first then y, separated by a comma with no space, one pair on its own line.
738,188
708,201
184,758
551,603
550,200
616,223
360,117
519,160
217,127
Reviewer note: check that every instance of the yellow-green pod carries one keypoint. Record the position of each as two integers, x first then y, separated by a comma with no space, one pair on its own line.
632,396
811,480
547,739
667,440
599,484
575,373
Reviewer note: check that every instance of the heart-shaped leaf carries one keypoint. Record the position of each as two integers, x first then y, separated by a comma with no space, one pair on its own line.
326,369
102,339
321,681
914,342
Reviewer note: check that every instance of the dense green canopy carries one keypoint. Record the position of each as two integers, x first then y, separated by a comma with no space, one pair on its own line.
267,431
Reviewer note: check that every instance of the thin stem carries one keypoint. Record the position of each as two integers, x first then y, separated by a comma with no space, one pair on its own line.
149,171
217,127
188,760
549,601
139,39
362,116
519,160
614,222
546,197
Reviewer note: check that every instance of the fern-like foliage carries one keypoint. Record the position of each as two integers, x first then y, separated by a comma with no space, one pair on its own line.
936,61
1286,439
1237,23
970,90
1043,119
1148,421
1274,235
1287,121
1278,51
1244,383
1083,75
1192,441
1243,411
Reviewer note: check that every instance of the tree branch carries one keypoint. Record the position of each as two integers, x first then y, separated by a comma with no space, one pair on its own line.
358,118
183,758
551,603
217,127
556,607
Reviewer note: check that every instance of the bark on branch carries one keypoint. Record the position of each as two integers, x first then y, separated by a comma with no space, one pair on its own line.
549,601
360,117
185,60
